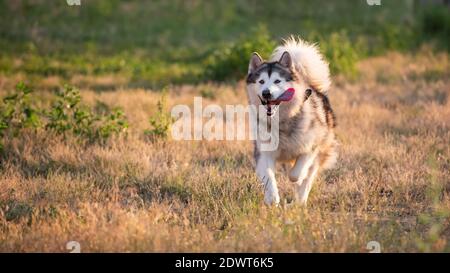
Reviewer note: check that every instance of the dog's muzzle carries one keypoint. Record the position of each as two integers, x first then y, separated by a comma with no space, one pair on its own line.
272,105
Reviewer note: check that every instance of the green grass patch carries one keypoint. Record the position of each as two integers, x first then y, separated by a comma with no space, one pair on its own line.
156,43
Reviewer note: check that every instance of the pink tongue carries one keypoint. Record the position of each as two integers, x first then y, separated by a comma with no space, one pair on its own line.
286,96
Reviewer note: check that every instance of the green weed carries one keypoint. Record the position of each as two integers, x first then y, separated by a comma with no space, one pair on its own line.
67,114
17,112
161,121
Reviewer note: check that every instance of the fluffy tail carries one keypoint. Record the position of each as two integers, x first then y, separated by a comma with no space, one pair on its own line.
307,61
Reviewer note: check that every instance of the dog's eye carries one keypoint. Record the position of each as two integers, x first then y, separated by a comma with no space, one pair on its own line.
261,81
277,81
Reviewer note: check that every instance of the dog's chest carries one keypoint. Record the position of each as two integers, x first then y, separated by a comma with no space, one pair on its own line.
295,137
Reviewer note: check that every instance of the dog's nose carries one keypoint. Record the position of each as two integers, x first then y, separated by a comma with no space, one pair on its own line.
266,94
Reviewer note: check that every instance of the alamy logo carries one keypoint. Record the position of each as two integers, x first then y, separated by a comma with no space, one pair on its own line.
239,122
73,246
373,2
373,247
73,2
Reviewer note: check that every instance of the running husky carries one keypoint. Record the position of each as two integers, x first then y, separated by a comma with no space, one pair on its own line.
306,120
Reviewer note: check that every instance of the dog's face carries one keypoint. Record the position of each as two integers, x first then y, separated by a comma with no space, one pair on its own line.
269,80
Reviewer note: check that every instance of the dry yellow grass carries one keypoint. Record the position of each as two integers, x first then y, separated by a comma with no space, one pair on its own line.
391,183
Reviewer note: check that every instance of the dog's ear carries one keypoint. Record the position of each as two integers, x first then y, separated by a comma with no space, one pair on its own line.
255,61
286,60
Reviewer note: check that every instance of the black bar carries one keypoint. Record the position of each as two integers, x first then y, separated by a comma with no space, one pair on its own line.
224,262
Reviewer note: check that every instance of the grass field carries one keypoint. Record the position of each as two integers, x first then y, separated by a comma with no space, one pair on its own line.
134,192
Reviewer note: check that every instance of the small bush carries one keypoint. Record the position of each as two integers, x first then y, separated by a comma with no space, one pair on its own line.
207,93
161,120
114,123
68,115
231,60
341,53
393,37
16,210
436,23
17,112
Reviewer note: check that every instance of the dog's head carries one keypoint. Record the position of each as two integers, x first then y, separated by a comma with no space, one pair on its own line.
269,80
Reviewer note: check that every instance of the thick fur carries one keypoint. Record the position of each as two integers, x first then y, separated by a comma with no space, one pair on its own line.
306,123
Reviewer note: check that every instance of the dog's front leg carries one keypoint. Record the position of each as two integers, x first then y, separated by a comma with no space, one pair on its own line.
265,169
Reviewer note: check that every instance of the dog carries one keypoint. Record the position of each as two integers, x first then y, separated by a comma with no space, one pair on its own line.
306,121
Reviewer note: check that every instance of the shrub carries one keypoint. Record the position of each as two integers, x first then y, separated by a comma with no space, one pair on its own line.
67,114
231,60
113,123
17,112
341,53
436,23
161,120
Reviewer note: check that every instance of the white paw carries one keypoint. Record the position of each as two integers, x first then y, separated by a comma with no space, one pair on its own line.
293,177
271,198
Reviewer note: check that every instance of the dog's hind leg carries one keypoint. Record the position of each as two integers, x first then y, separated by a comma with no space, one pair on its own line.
302,189
265,169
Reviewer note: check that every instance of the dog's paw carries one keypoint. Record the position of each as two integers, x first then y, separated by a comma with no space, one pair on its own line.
293,178
271,198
